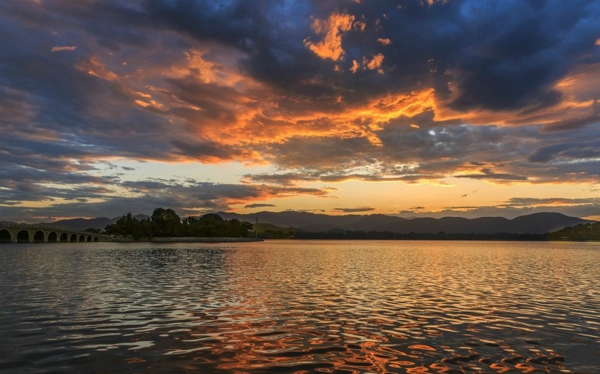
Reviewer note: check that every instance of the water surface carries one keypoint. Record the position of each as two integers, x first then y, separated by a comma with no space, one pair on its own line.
300,306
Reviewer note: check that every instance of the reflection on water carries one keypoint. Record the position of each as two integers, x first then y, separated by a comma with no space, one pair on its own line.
300,306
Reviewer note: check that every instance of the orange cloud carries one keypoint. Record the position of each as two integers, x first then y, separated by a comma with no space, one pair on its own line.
349,122
333,28
374,63
384,41
215,102
97,69
268,120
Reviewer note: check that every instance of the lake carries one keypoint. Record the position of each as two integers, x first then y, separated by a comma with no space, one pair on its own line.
300,306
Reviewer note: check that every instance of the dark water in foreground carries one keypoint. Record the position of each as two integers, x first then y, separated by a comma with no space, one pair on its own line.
300,306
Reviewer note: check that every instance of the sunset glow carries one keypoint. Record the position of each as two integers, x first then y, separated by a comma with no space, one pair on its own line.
409,107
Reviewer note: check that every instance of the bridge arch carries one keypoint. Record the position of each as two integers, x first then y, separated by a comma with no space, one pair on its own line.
39,237
5,236
23,233
23,236
52,237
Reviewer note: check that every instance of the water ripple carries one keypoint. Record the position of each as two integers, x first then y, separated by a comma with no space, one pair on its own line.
287,306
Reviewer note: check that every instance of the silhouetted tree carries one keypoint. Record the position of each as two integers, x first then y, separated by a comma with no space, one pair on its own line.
165,222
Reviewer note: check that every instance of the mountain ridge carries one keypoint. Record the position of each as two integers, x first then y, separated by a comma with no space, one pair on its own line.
536,223
81,224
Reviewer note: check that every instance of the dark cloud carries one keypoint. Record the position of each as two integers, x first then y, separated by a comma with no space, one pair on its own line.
185,197
354,210
532,201
509,154
208,150
577,122
254,206
495,56
419,154
488,174
580,151
547,153
86,82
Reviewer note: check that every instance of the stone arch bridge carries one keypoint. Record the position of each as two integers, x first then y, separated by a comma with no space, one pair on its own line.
23,233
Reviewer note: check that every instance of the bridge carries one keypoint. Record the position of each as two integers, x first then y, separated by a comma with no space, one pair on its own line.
23,233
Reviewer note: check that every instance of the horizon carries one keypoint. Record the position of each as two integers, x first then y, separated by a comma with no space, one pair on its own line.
417,108
436,217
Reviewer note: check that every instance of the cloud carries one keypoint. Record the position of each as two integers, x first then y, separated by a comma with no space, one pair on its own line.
505,155
574,123
114,195
553,201
208,151
330,47
488,174
374,63
319,91
259,205
579,152
518,57
354,210
63,48
97,69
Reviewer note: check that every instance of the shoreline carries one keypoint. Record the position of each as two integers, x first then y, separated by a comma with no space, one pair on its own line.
190,240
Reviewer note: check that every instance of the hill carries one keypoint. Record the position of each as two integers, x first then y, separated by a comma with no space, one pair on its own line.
583,232
538,223
286,222
81,224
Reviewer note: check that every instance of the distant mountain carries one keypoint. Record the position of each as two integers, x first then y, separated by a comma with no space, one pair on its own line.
538,223
303,220
81,224
263,227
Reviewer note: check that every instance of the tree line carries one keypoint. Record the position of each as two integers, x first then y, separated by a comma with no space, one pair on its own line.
583,232
389,235
166,223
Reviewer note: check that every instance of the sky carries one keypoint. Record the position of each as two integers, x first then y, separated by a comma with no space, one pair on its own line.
416,108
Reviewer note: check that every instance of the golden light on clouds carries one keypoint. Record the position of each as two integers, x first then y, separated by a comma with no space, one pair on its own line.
238,110
96,68
374,63
332,29
310,93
